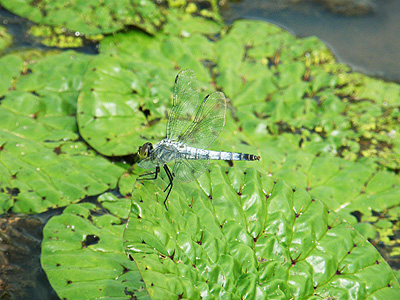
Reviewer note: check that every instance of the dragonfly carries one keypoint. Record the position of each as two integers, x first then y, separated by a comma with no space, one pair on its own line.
191,128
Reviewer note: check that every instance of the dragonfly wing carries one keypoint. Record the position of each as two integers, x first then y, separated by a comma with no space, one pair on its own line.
147,163
188,169
186,99
208,123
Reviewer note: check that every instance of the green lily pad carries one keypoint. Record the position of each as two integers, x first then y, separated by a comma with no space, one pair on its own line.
344,186
111,109
90,18
122,96
83,254
42,162
12,66
288,101
295,86
232,233
241,235
184,25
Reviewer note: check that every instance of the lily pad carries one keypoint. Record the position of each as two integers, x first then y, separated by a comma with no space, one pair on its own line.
110,113
295,86
90,18
238,234
125,92
286,95
82,250
43,164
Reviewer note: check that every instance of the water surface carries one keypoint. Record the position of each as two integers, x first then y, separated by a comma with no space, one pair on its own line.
369,44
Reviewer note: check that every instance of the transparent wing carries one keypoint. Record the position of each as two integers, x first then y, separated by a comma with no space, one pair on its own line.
188,169
186,99
208,123
147,163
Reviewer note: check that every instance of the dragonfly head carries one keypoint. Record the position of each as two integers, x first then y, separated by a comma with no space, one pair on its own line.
144,150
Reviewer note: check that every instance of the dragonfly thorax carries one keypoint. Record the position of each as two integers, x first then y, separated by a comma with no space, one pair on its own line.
166,151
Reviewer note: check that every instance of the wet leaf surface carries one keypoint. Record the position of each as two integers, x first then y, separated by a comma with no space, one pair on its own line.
82,250
126,96
43,162
244,235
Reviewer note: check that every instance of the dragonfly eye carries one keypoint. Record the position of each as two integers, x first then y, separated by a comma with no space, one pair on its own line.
144,151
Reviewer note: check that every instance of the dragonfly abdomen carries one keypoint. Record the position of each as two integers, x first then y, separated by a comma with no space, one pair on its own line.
194,153
220,155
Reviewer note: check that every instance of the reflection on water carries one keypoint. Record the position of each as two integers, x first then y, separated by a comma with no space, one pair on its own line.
369,44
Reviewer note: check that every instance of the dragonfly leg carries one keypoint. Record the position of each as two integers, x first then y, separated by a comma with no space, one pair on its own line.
155,173
171,178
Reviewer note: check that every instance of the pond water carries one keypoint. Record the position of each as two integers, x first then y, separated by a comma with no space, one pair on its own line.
370,44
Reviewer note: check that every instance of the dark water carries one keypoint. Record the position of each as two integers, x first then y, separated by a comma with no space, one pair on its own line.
21,275
369,44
